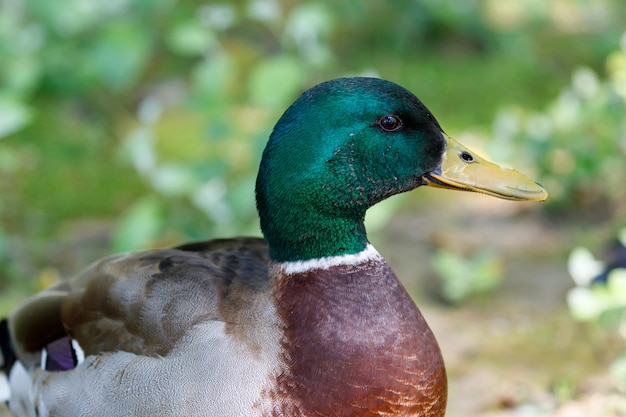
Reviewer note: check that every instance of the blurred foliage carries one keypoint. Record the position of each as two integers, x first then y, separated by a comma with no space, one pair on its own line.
465,278
143,121
578,142
600,302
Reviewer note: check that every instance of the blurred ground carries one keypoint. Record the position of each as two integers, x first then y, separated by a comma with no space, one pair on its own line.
518,352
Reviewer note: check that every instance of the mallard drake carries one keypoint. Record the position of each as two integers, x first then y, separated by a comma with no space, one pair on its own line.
309,321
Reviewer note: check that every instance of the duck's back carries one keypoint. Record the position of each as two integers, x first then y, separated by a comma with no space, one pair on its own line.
188,331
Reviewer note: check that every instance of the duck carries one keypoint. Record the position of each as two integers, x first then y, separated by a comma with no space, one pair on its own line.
308,320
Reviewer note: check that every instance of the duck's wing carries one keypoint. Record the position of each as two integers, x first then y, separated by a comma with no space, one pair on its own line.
142,302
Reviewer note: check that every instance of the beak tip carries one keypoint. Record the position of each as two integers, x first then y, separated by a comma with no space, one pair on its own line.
543,193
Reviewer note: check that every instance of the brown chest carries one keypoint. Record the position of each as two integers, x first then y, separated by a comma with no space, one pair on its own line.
355,345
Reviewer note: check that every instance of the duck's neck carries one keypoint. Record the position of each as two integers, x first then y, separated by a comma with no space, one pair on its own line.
302,234
310,202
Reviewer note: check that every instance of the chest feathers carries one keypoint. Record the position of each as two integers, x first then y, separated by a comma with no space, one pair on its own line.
355,345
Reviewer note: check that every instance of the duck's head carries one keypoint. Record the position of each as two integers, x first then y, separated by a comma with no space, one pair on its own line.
349,143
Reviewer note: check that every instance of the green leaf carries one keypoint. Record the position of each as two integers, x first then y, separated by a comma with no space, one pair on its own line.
309,27
190,38
582,266
173,179
463,278
13,116
616,282
275,82
212,79
583,305
21,74
138,147
139,226
119,55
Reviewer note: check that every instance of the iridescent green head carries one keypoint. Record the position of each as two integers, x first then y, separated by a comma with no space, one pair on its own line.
343,146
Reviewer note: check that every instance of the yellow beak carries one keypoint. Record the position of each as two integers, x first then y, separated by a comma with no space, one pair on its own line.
461,169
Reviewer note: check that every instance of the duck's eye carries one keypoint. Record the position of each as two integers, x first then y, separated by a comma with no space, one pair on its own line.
390,123
466,156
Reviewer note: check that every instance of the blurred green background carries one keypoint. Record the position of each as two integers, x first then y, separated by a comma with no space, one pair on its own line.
130,124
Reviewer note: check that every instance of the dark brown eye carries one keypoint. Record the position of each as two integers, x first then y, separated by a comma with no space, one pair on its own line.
390,123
